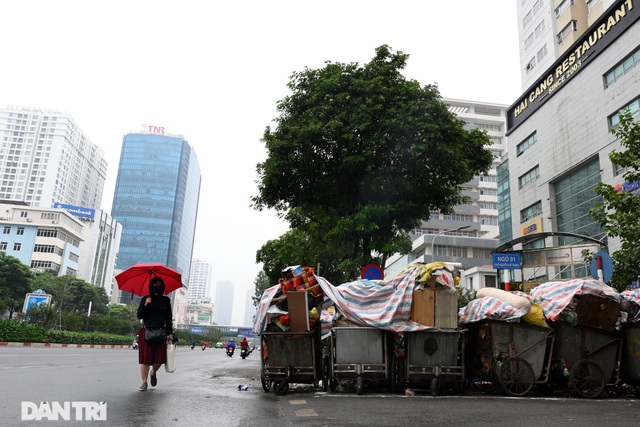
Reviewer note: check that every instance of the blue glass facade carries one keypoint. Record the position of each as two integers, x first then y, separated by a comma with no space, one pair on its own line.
156,201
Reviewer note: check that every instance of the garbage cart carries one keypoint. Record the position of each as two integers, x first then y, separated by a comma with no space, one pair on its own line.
291,357
591,355
515,355
435,358
359,355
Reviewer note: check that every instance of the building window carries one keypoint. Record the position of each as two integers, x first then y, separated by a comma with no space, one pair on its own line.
531,212
17,246
541,53
528,42
568,29
592,3
527,19
536,7
621,68
633,107
574,197
20,231
3,246
532,175
531,64
540,29
531,139
562,7
7,230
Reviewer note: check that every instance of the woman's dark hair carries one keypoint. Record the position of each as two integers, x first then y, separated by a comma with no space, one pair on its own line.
153,282
156,280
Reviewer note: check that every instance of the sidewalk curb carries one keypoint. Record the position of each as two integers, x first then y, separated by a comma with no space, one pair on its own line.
47,344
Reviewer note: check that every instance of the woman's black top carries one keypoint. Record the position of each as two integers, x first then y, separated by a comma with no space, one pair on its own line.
157,314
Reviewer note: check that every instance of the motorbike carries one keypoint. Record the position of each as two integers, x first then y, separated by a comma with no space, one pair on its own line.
193,345
244,352
230,351
134,345
204,346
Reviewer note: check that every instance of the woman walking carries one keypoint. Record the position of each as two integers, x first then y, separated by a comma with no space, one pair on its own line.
155,312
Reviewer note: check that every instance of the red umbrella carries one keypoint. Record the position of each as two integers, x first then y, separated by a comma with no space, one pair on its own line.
136,279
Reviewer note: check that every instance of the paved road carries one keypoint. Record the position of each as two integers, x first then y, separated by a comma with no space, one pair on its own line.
204,391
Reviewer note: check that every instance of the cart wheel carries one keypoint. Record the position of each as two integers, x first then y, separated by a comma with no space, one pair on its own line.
281,387
434,386
587,378
325,374
516,376
266,384
359,385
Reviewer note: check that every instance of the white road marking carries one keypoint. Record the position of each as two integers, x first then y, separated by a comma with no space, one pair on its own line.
306,413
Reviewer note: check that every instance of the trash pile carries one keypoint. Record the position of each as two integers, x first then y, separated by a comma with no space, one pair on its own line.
583,302
406,303
293,304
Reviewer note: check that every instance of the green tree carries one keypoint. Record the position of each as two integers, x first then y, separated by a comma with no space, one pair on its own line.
618,214
261,283
15,282
359,157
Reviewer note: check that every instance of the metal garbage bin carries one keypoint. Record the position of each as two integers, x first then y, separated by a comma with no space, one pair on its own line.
291,357
435,358
515,355
359,355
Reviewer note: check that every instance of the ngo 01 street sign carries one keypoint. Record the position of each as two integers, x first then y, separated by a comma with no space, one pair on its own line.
504,261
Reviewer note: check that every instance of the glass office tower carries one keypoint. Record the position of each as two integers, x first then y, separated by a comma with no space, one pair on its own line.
156,201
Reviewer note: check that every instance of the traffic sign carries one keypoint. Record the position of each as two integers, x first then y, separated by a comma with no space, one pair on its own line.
372,272
607,266
35,298
505,261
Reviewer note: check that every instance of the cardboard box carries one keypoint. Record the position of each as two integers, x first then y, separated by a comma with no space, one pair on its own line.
435,308
298,311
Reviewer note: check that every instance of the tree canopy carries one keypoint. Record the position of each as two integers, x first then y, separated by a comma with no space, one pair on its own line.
15,283
618,214
359,156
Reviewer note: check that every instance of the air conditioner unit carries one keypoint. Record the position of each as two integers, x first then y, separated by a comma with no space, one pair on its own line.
29,220
54,222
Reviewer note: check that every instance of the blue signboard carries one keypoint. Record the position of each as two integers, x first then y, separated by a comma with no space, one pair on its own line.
77,210
247,332
33,299
504,261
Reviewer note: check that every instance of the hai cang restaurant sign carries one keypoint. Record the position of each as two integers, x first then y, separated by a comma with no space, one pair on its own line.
602,33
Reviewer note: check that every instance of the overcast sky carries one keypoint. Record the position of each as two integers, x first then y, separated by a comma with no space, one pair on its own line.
213,71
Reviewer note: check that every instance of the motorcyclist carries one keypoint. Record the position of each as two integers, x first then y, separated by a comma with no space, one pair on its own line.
193,344
231,345
244,343
204,345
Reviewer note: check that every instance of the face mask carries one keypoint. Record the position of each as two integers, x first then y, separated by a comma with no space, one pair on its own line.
158,290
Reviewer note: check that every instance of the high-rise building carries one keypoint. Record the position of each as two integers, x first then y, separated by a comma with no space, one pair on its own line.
466,237
199,280
547,28
46,159
560,137
99,249
156,201
223,302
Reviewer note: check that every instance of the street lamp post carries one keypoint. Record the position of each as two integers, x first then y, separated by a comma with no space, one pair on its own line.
442,232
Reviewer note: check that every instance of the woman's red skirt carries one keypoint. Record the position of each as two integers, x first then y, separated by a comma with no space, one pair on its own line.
151,353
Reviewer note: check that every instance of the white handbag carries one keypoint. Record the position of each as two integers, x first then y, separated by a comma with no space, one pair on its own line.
170,366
